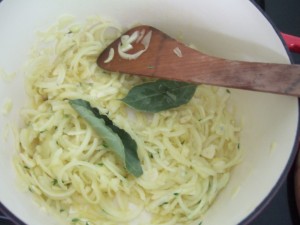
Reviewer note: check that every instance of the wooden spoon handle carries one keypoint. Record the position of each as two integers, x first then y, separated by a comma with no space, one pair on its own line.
273,78
264,77
196,67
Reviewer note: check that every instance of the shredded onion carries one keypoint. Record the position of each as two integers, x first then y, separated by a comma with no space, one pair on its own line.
186,153
145,42
177,51
133,37
126,41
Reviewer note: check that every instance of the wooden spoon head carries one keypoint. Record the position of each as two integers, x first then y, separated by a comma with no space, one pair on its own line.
158,54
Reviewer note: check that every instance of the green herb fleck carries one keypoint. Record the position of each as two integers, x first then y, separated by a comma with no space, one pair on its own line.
176,194
26,167
200,223
105,144
29,188
54,182
228,91
164,203
100,164
61,210
75,220
87,223
238,146
104,211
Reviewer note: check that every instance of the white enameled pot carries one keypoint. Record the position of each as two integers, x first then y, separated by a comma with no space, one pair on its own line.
232,29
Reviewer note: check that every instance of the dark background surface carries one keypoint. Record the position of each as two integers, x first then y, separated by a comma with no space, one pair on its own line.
285,15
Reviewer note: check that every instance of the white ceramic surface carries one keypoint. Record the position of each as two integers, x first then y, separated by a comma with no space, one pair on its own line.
232,29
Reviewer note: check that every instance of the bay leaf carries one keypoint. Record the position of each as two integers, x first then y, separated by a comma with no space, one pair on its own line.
159,95
117,139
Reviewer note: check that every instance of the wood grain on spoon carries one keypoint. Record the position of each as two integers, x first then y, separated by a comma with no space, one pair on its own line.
160,61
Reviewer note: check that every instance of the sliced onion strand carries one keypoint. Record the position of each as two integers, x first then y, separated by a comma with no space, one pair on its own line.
145,42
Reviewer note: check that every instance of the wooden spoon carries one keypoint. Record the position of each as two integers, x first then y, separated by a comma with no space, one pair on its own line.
189,65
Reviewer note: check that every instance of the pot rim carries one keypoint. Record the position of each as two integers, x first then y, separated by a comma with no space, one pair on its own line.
14,219
258,210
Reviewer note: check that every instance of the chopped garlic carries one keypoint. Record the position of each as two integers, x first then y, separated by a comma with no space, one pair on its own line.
110,55
178,52
209,152
134,36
